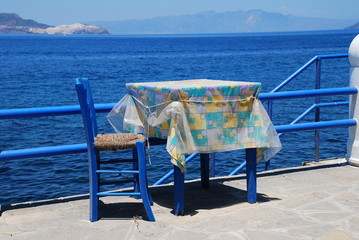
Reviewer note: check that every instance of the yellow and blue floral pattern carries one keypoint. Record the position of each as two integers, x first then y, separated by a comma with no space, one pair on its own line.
199,115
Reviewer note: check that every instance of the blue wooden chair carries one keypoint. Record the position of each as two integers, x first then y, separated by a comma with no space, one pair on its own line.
97,142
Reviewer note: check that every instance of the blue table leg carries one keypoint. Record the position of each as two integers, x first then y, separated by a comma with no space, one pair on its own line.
204,157
178,191
251,170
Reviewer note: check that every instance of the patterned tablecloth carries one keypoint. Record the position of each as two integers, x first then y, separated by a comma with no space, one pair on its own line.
198,116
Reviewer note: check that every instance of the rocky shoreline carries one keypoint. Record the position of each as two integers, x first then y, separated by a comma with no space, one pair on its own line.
13,23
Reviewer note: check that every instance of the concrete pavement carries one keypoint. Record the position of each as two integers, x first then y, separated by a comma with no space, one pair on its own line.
319,201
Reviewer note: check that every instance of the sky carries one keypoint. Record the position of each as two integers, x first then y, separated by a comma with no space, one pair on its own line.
56,12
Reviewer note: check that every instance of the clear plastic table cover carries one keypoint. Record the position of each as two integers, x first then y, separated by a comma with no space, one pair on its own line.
198,116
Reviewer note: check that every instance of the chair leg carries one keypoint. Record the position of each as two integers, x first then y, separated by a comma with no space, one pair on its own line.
93,207
148,191
136,186
94,185
143,181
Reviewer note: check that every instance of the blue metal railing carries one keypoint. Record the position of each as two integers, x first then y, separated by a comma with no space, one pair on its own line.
43,151
50,111
45,112
318,61
307,93
273,95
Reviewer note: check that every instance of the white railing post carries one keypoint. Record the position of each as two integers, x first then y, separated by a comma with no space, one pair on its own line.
353,141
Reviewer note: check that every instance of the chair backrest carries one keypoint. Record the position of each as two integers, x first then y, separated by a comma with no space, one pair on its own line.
87,108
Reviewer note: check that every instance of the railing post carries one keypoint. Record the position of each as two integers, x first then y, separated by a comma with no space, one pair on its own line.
353,141
317,110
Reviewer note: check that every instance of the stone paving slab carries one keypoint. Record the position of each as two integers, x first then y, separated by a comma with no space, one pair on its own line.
313,202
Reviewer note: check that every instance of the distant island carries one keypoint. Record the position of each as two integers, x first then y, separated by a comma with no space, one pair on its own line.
354,26
223,22
13,23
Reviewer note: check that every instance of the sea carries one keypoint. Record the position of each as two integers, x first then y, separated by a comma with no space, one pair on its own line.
40,71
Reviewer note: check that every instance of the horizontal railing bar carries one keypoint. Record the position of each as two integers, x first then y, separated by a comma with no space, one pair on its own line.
316,125
328,56
53,150
50,111
43,151
104,107
308,93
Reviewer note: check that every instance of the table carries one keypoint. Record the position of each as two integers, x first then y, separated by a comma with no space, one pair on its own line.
203,116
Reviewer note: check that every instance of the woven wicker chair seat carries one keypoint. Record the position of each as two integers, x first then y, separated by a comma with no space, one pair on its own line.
117,141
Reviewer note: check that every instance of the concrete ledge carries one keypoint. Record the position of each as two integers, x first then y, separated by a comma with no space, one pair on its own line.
309,202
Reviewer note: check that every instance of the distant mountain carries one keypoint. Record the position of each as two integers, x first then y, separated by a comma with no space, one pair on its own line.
226,22
355,26
13,23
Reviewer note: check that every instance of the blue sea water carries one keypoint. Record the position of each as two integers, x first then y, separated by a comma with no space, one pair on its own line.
40,70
